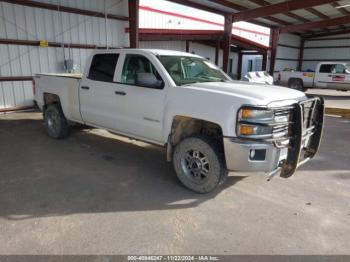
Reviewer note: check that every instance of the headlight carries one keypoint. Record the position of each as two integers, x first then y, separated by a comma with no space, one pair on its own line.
255,114
255,122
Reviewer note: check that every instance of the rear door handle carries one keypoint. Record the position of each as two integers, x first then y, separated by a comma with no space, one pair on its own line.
120,93
85,87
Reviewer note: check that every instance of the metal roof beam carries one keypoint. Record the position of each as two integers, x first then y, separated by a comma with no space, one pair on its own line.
314,25
330,33
277,9
290,14
238,7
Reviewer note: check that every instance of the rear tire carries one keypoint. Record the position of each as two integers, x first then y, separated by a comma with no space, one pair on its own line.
296,84
55,122
199,163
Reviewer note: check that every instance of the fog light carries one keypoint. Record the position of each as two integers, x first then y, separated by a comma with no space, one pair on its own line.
257,154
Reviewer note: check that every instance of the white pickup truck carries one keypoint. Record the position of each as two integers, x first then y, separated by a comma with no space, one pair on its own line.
330,75
208,123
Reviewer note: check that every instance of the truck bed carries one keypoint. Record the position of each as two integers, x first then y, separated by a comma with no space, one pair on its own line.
77,76
65,86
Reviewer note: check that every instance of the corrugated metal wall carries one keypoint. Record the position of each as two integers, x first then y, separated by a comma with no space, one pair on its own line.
287,57
330,53
28,23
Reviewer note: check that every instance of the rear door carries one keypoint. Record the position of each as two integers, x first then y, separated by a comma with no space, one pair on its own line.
97,91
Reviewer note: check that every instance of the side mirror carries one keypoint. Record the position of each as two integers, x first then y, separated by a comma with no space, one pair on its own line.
148,80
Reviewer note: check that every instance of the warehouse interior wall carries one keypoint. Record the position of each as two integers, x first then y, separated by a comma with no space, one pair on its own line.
333,48
28,23
287,52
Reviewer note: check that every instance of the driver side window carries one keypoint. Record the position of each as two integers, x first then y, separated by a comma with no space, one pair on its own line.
135,64
339,69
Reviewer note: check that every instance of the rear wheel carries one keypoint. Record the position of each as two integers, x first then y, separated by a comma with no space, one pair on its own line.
199,164
296,84
55,122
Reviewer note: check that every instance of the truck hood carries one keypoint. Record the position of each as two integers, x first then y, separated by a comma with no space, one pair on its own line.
260,92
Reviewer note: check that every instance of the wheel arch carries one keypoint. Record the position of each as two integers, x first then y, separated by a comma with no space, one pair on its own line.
184,126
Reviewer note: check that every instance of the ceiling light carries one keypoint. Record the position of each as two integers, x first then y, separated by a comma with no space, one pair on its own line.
343,6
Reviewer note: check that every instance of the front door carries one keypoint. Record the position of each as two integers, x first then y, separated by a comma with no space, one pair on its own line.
333,76
140,108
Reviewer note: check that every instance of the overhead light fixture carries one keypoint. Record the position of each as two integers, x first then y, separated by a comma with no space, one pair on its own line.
343,6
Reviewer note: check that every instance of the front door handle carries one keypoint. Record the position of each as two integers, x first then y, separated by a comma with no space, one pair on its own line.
85,87
120,93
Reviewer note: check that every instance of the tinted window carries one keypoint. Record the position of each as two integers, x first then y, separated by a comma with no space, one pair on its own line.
326,68
102,67
135,64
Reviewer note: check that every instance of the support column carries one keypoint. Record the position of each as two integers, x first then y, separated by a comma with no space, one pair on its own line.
239,65
275,33
301,55
226,43
264,62
134,23
217,51
187,46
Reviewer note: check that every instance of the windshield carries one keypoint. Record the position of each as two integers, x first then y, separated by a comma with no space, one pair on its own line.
187,70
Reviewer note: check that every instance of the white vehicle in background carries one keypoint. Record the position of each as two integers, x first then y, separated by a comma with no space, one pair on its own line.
208,123
259,77
328,75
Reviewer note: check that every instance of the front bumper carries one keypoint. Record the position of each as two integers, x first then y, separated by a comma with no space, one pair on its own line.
302,143
239,155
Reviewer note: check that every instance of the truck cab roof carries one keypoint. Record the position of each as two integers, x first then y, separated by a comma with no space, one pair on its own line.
161,52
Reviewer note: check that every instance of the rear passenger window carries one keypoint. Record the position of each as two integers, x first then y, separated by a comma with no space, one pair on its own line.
102,67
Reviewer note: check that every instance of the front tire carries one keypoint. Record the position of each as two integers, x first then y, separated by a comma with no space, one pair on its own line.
199,163
55,122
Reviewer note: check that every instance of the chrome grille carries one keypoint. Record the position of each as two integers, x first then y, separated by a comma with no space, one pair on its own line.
282,115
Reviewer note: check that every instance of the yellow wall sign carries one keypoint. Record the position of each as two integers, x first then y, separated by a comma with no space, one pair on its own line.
44,43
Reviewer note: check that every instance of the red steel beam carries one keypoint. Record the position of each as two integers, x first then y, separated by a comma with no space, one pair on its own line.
15,78
264,62
301,54
226,43
317,24
239,66
64,9
134,23
278,8
274,44
7,41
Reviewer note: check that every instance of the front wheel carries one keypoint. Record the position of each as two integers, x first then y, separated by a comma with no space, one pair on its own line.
199,164
55,122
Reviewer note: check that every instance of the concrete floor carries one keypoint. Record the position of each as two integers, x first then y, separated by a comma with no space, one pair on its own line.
95,194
